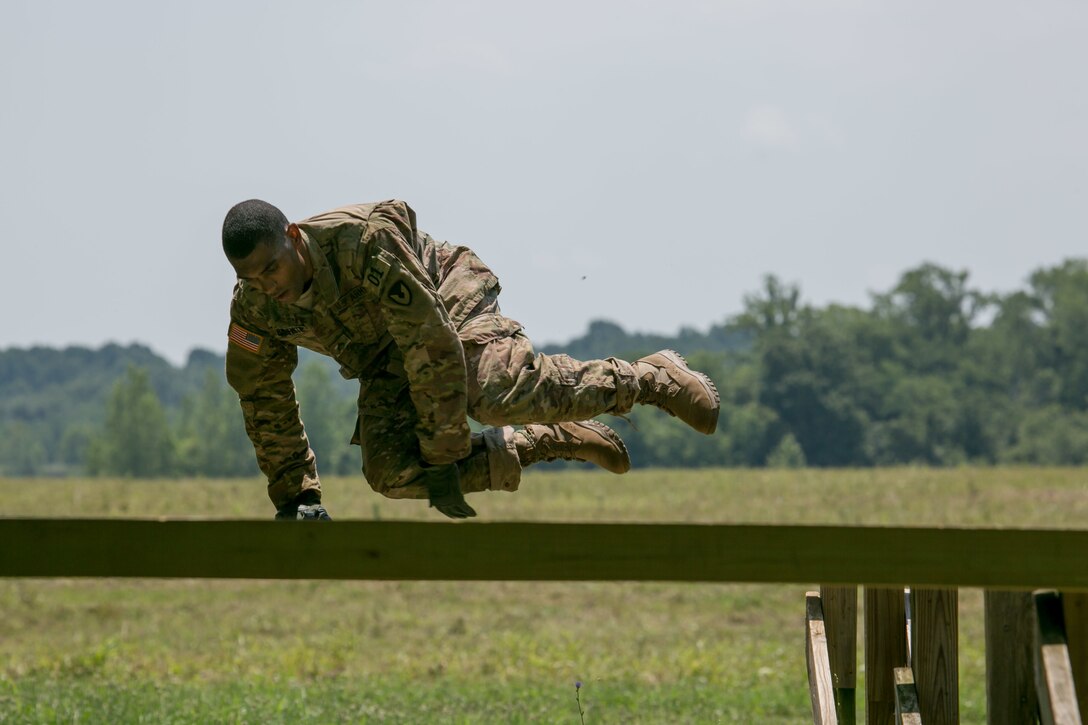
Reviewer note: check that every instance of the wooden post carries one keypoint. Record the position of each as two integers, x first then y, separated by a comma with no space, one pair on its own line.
1010,680
885,649
935,634
906,698
1075,611
1053,670
910,637
841,624
821,690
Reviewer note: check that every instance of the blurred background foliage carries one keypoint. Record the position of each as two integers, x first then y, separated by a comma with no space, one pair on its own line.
934,372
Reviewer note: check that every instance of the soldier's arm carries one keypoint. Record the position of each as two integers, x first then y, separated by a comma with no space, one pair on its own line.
434,359
259,369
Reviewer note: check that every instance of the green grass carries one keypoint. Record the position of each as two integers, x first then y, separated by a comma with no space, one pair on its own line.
196,651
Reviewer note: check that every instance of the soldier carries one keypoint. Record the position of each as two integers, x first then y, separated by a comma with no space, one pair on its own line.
417,322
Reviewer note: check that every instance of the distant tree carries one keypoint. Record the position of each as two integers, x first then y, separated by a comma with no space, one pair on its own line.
931,310
776,309
329,419
1050,436
1061,299
917,424
21,451
135,440
211,437
74,443
787,454
751,431
1010,354
816,377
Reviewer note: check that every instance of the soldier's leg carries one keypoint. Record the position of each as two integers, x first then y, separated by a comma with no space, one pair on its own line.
509,383
391,461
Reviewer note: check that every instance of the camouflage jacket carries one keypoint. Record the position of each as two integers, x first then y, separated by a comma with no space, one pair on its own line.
387,297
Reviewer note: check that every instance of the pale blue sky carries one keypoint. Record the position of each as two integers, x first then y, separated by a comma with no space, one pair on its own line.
670,154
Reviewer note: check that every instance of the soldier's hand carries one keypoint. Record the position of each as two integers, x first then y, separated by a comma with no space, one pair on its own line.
444,491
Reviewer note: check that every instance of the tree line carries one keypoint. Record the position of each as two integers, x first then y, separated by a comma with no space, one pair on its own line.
931,372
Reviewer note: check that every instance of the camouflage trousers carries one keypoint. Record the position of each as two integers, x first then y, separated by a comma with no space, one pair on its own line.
508,384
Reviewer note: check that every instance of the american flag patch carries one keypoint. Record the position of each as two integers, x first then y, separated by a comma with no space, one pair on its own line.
245,339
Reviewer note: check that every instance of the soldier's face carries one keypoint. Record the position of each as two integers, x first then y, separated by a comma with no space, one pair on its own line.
280,269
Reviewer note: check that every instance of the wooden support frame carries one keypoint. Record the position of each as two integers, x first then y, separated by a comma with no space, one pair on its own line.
906,698
882,557
885,649
1053,669
1010,670
821,689
1075,613
840,605
935,653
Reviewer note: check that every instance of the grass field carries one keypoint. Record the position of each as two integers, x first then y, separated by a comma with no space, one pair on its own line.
194,651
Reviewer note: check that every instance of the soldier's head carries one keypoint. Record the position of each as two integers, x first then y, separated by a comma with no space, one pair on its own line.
267,251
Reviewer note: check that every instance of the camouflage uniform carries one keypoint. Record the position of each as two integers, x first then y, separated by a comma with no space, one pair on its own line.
417,322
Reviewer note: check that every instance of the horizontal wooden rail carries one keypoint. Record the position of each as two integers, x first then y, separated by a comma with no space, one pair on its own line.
390,550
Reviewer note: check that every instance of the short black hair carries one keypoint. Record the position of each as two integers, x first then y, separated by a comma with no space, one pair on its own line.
250,223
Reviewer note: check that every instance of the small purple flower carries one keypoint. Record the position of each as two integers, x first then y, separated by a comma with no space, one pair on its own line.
577,684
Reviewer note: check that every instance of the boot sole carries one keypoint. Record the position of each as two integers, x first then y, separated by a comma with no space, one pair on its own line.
611,435
711,424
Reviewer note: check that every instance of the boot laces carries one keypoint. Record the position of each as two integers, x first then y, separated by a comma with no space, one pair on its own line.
658,392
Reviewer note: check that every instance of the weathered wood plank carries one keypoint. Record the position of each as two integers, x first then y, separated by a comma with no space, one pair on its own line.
935,653
1053,670
1075,611
885,649
906,698
544,551
841,623
1010,679
906,609
821,691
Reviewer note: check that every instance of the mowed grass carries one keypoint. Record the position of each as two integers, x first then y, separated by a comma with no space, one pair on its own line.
196,651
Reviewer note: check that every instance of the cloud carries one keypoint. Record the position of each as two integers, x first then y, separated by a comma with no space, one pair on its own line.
769,127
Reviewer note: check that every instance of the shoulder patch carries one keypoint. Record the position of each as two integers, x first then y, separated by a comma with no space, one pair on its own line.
245,339
400,294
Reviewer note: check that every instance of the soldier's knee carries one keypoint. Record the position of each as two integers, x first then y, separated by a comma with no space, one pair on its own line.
489,411
380,478
398,481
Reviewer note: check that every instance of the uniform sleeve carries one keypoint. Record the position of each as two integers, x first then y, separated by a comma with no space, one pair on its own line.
259,369
415,317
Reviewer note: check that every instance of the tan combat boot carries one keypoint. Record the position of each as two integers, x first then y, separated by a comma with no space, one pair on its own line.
667,382
586,440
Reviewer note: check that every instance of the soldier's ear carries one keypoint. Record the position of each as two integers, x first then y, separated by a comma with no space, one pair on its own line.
295,235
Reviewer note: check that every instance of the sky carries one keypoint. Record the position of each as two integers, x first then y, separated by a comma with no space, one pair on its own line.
642,162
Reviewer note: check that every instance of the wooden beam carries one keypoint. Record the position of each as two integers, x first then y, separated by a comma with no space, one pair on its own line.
392,550
1053,670
885,649
906,698
840,606
1010,681
935,653
821,691
1075,612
